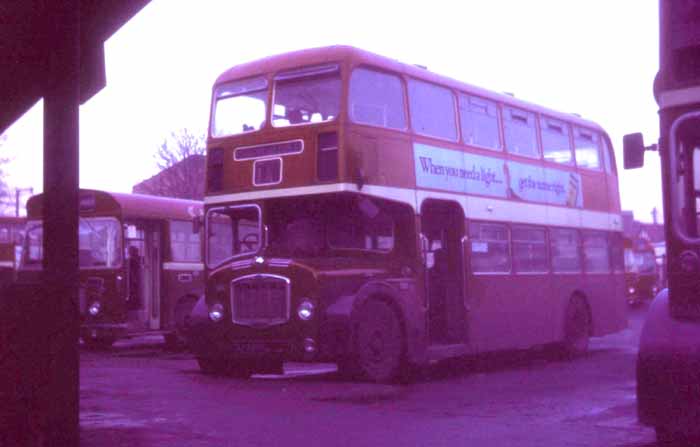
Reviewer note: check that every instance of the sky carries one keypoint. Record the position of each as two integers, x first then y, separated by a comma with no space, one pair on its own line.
596,58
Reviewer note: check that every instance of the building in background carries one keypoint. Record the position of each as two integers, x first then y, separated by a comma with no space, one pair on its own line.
184,180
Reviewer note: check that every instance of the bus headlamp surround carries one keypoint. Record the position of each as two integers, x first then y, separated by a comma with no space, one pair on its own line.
306,309
94,308
216,312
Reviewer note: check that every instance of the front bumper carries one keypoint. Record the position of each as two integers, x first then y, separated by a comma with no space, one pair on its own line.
217,340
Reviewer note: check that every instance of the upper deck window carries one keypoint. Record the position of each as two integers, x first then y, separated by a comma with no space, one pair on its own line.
520,132
556,143
239,107
587,145
306,95
377,98
432,110
479,121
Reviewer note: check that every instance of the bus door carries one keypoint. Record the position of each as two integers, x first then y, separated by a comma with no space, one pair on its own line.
143,264
442,225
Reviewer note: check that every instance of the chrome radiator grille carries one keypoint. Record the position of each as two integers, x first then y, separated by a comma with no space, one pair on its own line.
260,300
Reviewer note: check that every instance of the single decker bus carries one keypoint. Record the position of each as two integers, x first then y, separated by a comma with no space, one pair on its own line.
140,264
368,212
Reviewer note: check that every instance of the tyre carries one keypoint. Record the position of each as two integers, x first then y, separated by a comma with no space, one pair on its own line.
174,342
379,344
577,328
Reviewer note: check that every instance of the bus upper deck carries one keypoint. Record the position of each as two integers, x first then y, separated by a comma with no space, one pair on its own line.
339,118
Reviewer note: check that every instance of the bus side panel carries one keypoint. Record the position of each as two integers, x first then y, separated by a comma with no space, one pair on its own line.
377,156
510,312
595,194
179,282
608,303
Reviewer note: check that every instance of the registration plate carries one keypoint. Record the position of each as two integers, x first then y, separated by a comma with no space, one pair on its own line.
257,348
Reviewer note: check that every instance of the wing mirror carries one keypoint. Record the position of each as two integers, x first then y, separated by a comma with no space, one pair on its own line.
633,150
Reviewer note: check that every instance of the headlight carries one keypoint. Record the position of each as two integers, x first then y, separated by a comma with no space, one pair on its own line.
305,311
631,290
216,312
94,308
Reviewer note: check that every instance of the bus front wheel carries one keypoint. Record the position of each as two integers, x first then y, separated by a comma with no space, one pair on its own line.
379,344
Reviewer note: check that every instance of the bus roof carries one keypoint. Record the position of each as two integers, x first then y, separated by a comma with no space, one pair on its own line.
127,205
356,57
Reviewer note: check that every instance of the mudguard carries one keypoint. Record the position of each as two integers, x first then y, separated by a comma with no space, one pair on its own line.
668,370
411,313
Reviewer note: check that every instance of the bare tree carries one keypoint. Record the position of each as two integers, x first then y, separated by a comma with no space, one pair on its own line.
181,160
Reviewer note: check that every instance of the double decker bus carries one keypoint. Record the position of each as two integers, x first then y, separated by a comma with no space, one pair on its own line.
641,271
140,264
11,233
372,213
668,364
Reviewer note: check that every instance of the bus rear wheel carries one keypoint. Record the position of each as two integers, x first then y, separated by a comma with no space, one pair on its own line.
577,328
379,343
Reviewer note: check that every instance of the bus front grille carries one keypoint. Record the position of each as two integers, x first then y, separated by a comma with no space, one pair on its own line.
260,300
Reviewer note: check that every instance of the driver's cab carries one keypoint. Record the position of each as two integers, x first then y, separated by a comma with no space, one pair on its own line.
681,165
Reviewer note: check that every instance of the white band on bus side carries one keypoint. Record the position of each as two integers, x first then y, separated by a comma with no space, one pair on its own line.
475,207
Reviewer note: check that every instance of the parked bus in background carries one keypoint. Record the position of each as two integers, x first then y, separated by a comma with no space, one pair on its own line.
367,212
668,372
140,263
11,233
641,271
